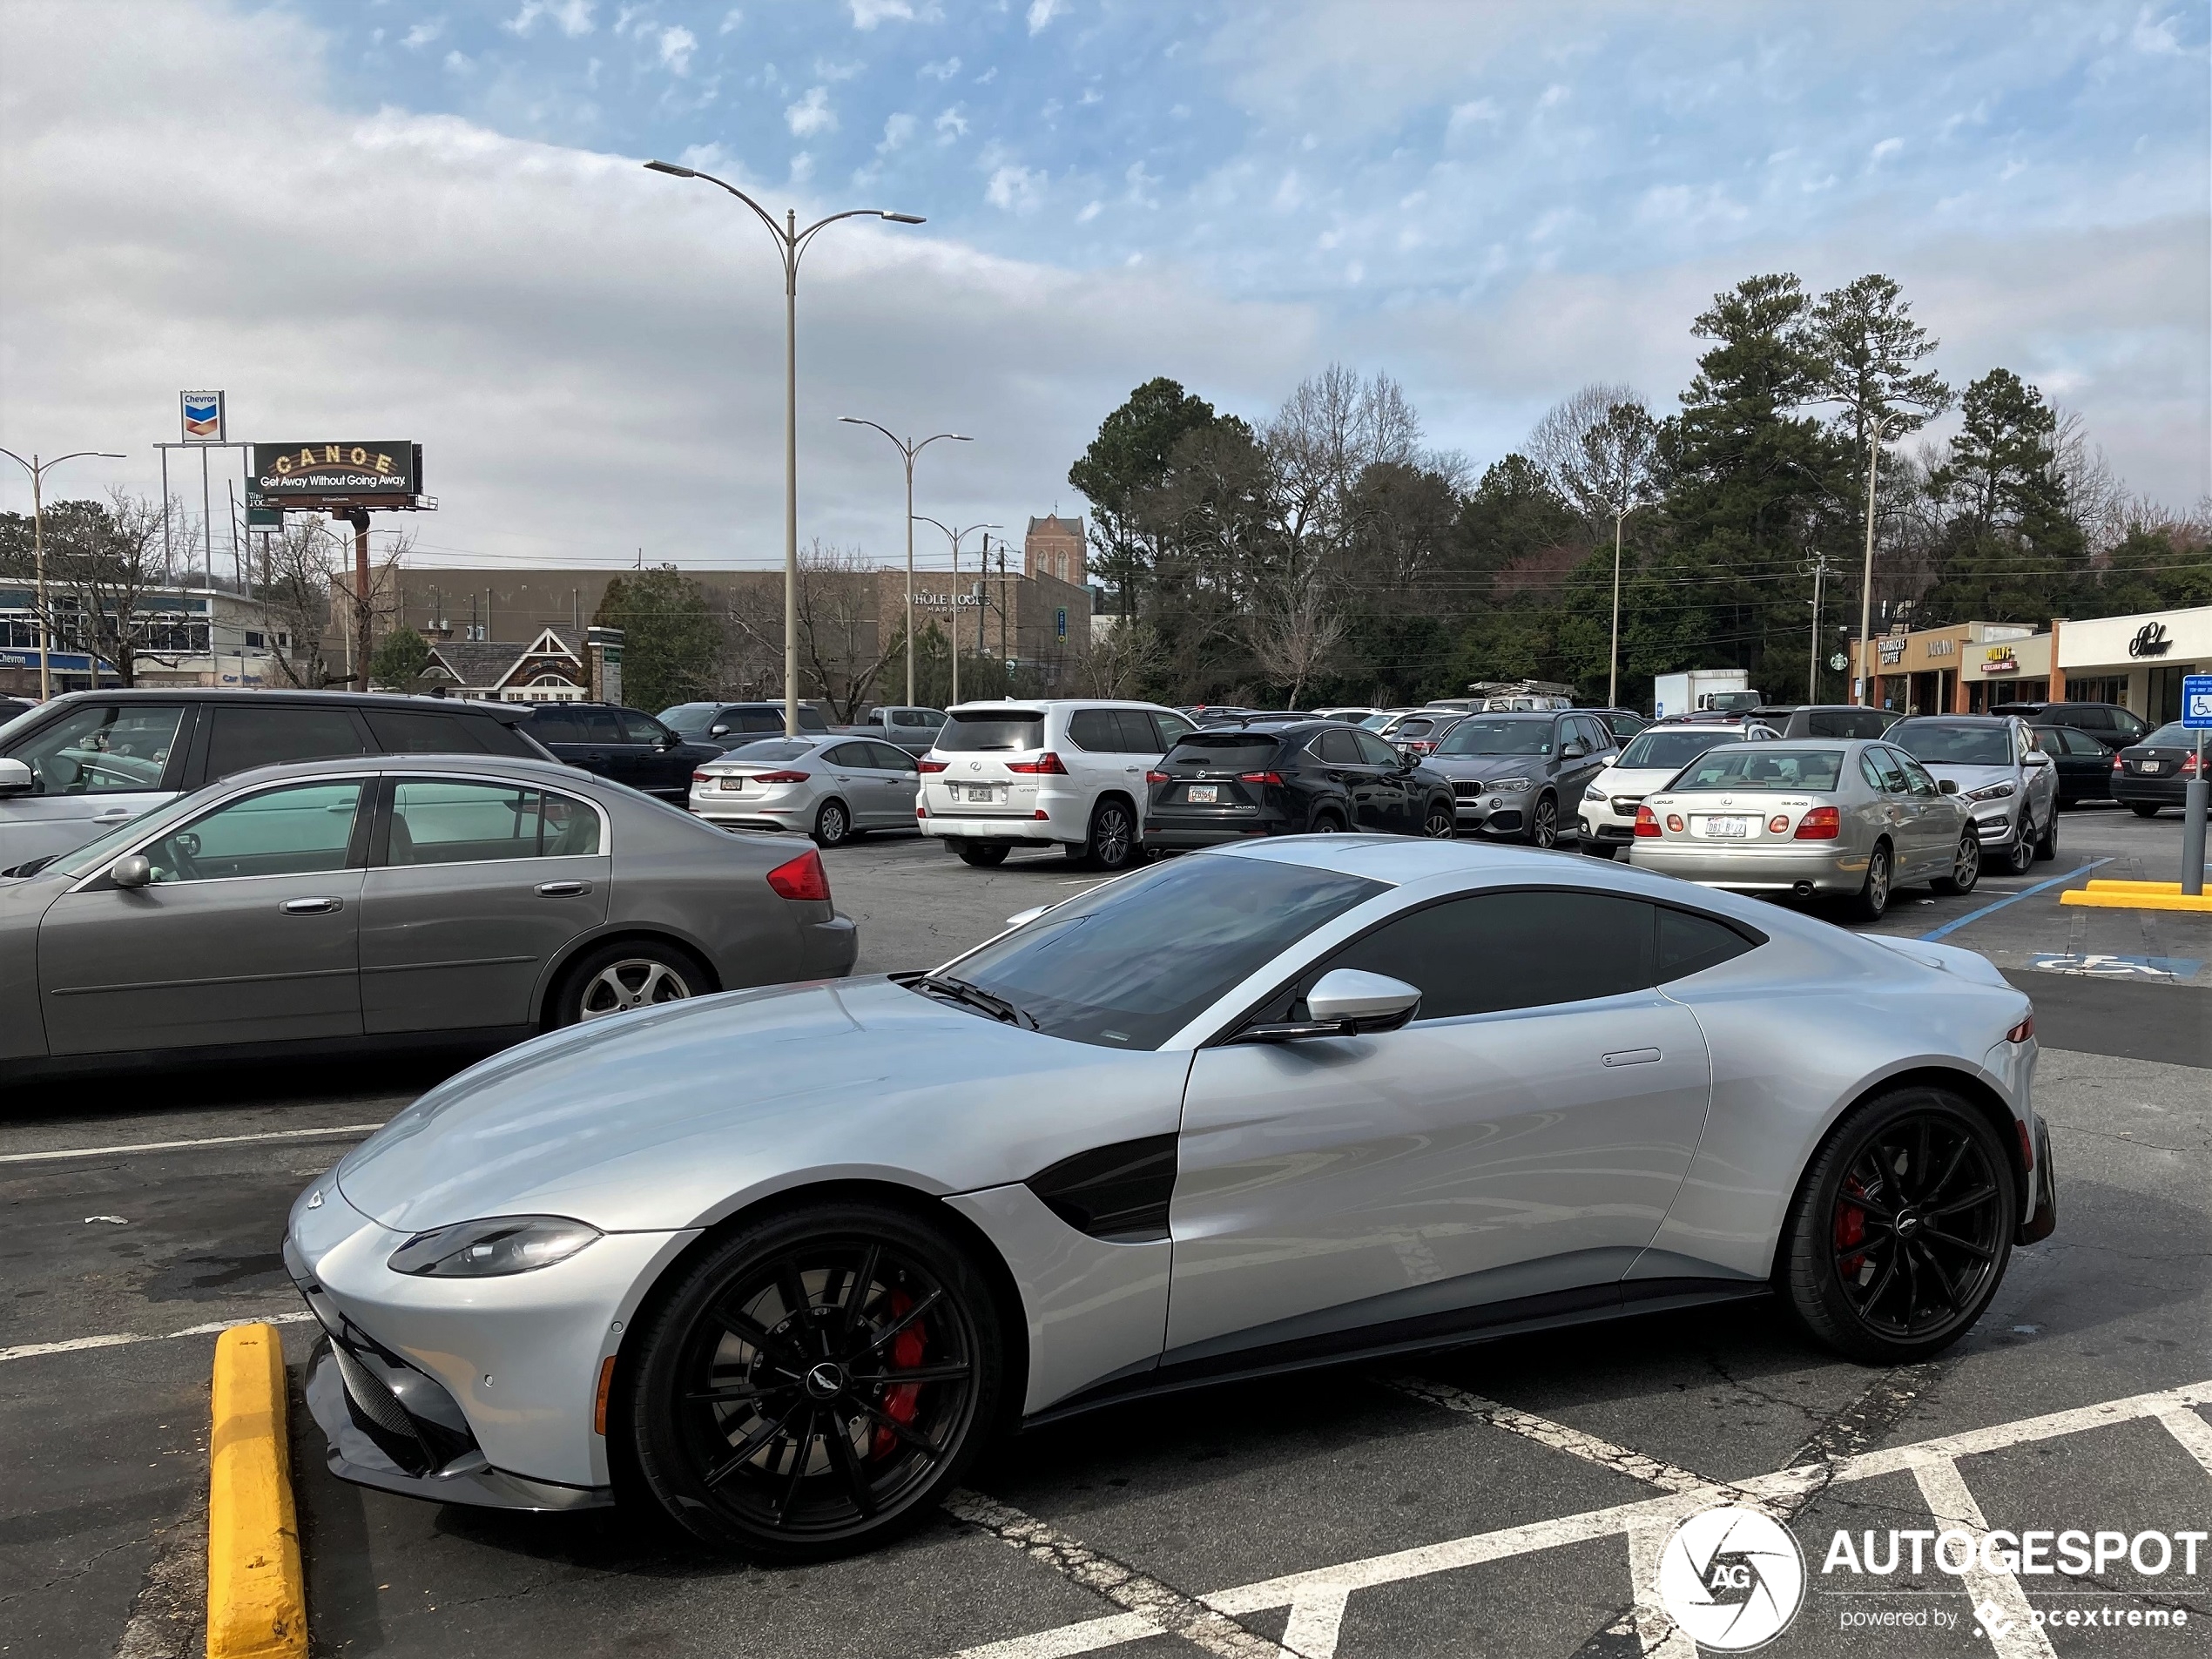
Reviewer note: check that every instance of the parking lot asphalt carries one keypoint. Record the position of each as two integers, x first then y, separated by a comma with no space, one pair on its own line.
1506,1499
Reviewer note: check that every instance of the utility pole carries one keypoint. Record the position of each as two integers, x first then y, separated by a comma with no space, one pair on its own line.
363,620
1812,672
1863,693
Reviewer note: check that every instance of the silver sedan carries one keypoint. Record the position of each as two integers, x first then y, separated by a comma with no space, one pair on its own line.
1851,819
351,903
783,1262
832,788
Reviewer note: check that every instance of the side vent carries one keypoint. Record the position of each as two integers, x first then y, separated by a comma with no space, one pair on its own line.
1118,1194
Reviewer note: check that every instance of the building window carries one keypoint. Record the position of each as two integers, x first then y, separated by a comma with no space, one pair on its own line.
2102,689
255,642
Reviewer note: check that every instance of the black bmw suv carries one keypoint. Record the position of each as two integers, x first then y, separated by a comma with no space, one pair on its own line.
1229,783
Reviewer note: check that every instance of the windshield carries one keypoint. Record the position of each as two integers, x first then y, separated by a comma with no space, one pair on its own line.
1222,749
1945,743
689,720
1497,737
1764,766
1376,722
1652,750
770,749
92,854
993,732
1131,962
1733,702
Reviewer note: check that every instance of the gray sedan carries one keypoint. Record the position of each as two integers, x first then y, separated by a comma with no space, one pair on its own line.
1854,819
360,901
832,788
784,1261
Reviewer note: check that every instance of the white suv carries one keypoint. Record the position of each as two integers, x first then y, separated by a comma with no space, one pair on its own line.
1009,774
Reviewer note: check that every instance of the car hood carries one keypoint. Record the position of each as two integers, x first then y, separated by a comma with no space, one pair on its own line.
1972,777
1639,780
671,1117
1487,767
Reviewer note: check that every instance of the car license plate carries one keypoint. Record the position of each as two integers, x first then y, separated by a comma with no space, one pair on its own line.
979,792
1202,794
1729,829
2149,765
734,786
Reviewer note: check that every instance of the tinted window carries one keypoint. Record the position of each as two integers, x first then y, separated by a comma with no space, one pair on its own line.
771,749
754,720
499,737
1338,749
596,725
911,717
1172,727
1132,962
1093,729
1892,774
981,733
551,723
1664,746
1836,723
1139,735
1917,778
2128,725
2089,717
244,736
1509,950
1372,751
402,731
640,728
1689,944
303,830
1223,750
848,754
102,749
885,758
1956,743
1498,735
689,719
2172,735
1764,766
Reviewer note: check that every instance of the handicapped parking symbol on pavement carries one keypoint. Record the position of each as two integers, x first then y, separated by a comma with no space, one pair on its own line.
2164,970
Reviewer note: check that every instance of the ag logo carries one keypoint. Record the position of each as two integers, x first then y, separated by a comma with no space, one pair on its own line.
1731,1578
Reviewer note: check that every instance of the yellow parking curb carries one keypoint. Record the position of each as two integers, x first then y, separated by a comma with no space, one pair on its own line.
2138,896
256,1595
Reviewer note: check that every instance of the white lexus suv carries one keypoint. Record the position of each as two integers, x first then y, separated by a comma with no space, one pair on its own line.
1027,773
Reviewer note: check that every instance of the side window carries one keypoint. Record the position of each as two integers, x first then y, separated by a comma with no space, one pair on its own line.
549,723
1139,735
302,830
913,718
2127,725
1336,748
1882,770
243,736
848,754
1689,944
889,757
640,728
1371,749
1497,951
1093,730
497,737
810,719
1917,778
759,720
403,731
103,749
1172,729
596,725
437,822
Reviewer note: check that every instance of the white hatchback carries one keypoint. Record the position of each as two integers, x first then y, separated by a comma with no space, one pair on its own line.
1648,763
1010,774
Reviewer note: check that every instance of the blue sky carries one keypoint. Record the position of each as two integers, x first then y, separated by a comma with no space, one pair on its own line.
1496,202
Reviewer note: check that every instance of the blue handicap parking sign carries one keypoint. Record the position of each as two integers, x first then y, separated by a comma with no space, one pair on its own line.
2196,701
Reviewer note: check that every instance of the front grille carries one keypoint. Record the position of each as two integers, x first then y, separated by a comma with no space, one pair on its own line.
371,1398
1626,805
1465,789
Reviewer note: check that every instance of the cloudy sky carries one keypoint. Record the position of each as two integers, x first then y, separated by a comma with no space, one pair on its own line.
410,218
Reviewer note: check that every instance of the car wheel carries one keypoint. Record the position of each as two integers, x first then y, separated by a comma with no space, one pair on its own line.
1873,895
2021,853
1442,822
1543,823
624,975
979,854
2047,844
2143,808
1325,823
833,824
1113,836
816,1382
1900,1231
1965,867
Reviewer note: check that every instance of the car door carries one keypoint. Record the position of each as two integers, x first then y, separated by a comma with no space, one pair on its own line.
898,777
2038,777
1093,754
660,763
1940,819
599,745
1345,766
474,885
1524,1136
249,931
1398,800
852,774
1899,814
98,765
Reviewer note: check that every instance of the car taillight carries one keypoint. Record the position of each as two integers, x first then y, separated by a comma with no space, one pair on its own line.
1259,778
1047,762
802,878
927,764
1647,821
702,778
1155,777
2189,764
2023,1031
1821,824
2118,765
779,777
1776,824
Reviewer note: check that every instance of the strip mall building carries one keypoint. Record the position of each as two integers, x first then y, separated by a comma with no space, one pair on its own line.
2136,661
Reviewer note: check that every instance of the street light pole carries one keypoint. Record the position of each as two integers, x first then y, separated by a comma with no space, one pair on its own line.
953,631
1613,671
37,471
908,450
791,245
1863,694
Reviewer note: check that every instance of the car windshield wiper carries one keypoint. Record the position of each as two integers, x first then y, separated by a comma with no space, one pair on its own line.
974,996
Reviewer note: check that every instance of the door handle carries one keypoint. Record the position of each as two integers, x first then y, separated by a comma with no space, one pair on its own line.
1632,1057
563,889
113,814
308,906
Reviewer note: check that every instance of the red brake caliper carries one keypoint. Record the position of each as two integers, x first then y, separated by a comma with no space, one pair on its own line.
900,1400
1851,1229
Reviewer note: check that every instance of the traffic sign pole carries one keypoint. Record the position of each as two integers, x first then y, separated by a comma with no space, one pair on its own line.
2196,799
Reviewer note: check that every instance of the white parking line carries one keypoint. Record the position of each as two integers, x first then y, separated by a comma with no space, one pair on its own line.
77,1344
1558,1436
179,1146
2018,1636
1317,1596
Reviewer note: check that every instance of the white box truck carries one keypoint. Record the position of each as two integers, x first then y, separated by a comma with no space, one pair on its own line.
1688,693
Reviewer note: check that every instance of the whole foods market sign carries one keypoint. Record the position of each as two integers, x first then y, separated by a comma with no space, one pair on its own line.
288,473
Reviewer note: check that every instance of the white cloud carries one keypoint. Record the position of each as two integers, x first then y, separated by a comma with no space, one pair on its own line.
423,34
1041,13
832,71
459,63
897,131
943,70
1482,111
677,45
2158,35
951,124
571,17
732,20
1141,185
1091,210
1886,150
869,13
811,114
1015,189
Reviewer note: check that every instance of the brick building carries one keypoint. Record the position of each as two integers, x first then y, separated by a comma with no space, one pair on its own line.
1054,547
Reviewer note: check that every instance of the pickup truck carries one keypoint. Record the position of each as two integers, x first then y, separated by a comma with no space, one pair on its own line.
911,729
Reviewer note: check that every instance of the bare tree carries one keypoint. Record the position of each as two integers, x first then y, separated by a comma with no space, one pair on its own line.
105,577
843,647
1121,661
1329,431
298,565
2094,493
1292,629
1595,446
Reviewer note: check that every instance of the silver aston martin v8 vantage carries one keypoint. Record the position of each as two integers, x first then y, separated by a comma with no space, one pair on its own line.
782,1260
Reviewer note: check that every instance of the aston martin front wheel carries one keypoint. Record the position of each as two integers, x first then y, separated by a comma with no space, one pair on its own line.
1899,1232
815,1382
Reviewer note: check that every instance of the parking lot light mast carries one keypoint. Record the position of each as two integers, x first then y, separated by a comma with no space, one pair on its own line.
953,631
1613,670
1862,690
37,468
908,450
791,245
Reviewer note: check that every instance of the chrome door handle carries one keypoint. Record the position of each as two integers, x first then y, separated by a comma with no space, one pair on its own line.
308,906
1632,1056
562,889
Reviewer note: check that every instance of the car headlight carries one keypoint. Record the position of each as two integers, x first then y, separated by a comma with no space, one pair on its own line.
1594,793
492,1248
1515,784
1994,792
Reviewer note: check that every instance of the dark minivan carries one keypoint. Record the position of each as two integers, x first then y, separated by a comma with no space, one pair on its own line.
626,745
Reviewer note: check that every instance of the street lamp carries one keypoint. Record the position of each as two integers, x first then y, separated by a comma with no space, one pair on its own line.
1862,690
37,468
1613,670
909,450
956,535
791,243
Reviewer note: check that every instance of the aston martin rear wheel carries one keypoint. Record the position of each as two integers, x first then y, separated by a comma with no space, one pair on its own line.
1900,1232
816,1382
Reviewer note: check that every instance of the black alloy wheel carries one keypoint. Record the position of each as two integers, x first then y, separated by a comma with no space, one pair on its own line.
1113,836
1899,1236
1543,823
814,1385
982,855
833,824
1965,866
1326,822
1872,897
1442,820
2047,844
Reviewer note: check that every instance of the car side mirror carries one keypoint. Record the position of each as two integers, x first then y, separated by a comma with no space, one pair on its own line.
1346,1002
2037,757
1575,750
717,732
1949,785
130,871
16,779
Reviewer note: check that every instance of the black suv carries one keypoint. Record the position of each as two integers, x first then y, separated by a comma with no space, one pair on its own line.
727,725
626,745
1229,783
2109,724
